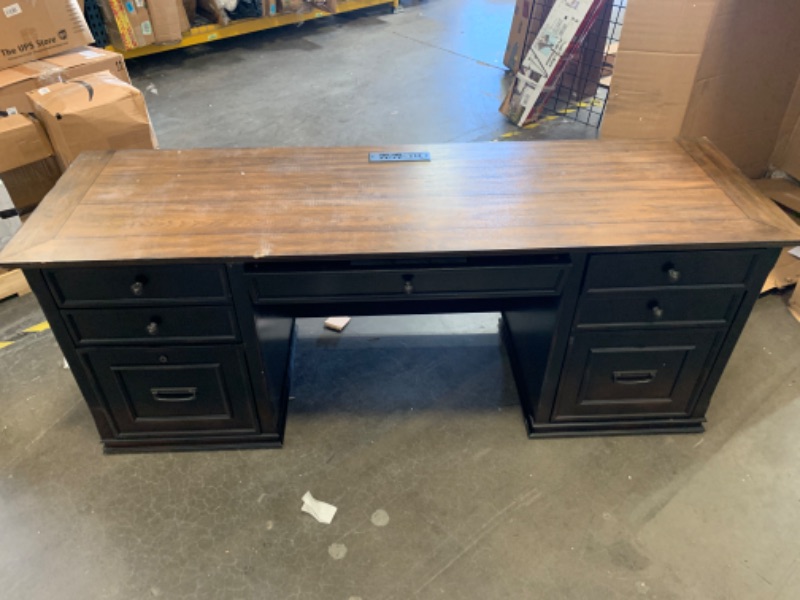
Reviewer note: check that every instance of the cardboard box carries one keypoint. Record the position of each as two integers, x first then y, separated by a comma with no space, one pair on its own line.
166,18
725,69
96,112
16,82
128,23
28,167
31,29
269,8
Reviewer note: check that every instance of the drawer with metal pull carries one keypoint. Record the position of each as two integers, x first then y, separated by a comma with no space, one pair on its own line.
634,373
711,306
174,390
669,269
134,285
412,281
156,325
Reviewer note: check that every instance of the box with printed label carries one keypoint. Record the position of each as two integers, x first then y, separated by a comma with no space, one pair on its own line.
31,29
128,23
95,112
16,82
28,167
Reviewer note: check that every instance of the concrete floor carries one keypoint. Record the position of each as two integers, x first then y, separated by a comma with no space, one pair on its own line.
396,414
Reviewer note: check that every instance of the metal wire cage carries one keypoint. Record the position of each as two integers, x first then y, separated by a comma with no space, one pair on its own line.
581,92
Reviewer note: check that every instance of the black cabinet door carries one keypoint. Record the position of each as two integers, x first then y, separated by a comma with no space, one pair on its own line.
611,375
175,390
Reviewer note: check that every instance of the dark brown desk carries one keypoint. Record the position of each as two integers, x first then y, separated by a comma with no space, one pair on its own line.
624,273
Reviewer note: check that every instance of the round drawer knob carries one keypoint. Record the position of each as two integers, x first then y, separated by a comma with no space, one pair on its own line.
408,287
657,311
674,275
152,328
137,288
163,359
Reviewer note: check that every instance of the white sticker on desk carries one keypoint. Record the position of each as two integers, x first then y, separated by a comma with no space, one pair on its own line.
147,29
12,110
12,10
140,3
89,54
43,91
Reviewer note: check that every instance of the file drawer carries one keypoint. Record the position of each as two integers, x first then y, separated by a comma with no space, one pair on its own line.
634,374
175,390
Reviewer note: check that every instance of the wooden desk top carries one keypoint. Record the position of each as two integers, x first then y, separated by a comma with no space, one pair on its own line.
324,202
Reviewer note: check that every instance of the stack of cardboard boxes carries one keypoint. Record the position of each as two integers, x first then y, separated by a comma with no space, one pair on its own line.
59,97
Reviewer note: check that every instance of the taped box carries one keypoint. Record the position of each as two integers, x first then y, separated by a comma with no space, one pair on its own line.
16,82
31,29
128,23
96,112
28,167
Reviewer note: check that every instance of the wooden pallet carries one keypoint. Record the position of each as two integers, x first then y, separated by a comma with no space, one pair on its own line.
13,283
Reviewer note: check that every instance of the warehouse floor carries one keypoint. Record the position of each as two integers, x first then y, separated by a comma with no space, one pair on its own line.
398,421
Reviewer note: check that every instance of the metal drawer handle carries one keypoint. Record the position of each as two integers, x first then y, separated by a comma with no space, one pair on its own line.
137,287
634,377
175,394
408,287
657,311
152,328
672,272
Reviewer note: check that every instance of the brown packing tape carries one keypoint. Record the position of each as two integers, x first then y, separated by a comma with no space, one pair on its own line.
97,112
22,141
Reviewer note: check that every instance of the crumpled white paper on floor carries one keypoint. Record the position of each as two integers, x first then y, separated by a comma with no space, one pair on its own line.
321,511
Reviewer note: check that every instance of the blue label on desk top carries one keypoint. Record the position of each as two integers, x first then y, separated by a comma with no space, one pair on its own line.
399,157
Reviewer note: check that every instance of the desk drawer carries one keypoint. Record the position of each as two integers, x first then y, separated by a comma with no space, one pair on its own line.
410,283
175,390
151,325
659,307
611,375
141,285
655,269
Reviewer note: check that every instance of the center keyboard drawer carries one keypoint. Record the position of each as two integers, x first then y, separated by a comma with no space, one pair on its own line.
504,280
714,306
151,325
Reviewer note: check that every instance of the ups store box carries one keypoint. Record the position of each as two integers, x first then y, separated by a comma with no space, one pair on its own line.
31,29
28,168
16,82
96,112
